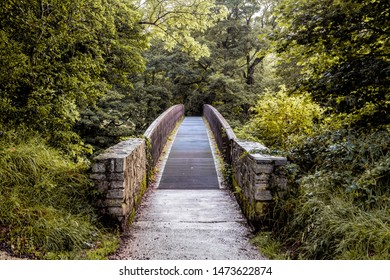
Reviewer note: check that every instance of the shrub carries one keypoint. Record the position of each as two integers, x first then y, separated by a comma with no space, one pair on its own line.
280,120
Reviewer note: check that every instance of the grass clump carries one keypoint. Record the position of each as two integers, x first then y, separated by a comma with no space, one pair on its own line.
45,201
270,247
339,198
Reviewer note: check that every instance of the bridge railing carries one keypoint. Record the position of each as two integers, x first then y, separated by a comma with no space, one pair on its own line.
222,131
121,172
257,177
159,131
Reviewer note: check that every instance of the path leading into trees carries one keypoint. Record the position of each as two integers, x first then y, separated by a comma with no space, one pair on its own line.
188,215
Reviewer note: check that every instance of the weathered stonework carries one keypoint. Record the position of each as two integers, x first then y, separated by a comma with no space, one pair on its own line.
119,174
257,177
159,131
222,131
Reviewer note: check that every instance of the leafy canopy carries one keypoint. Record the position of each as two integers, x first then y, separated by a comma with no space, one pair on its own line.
342,48
176,21
57,57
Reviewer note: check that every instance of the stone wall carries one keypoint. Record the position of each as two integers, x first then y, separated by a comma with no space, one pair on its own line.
159,131
120,176
120,173
257,177
222,131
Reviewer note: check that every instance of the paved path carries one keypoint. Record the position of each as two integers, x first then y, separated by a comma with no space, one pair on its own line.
190,164
188,216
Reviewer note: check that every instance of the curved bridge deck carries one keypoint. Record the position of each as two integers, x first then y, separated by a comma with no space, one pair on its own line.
188,216
190,164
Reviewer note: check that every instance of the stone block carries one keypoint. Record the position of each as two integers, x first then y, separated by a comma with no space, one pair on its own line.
117,184
97,176
280,161
115,194
260,159
261,187
262,178
116,176
263,195
263,168
119,165
112,165
112,202
99,167
102,186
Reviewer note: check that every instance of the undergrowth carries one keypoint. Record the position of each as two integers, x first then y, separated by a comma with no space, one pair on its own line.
46,208
338,203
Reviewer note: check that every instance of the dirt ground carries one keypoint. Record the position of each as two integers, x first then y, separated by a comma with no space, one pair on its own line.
5,256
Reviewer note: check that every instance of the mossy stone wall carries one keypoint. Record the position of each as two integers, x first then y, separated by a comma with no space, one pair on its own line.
121,173
257,177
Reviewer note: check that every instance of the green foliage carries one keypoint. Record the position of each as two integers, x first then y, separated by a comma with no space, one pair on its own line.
117,116
175,21
365,162
342,50
270,247
45,200
337,207
228,77
280,120
57,57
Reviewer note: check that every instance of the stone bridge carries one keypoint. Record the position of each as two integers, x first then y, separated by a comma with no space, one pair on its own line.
123,172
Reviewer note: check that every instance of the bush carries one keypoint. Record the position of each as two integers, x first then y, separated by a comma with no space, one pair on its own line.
45,199
280,120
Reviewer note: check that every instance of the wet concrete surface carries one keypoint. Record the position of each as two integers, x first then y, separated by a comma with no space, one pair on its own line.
188,225
188,216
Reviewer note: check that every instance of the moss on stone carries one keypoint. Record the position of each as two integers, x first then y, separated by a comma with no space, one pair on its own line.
132,216
246,205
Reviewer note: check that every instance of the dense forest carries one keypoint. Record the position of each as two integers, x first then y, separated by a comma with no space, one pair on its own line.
307,78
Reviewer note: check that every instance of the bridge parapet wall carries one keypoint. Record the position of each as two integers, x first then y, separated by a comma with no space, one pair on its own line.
120,173
159,131
221,129
257,177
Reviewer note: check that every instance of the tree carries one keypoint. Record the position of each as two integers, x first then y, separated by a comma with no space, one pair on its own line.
135,101
342,49
176,21
234,68
58,57
229,77
280,121
237,39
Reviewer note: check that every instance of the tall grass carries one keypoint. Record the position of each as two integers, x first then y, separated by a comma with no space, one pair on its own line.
338,204
45,199
338,229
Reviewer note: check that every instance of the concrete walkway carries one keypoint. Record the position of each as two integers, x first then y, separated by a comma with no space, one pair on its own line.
190,164
188,217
